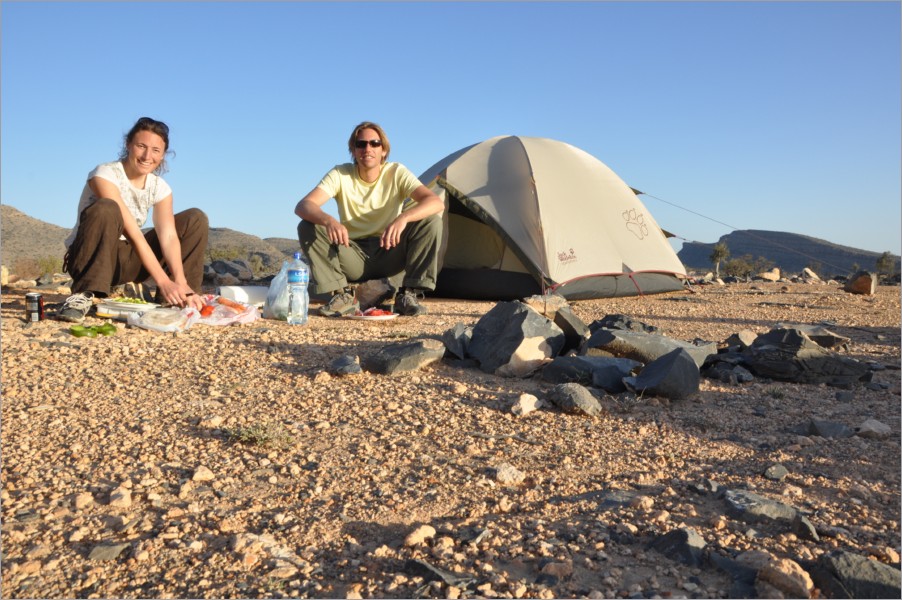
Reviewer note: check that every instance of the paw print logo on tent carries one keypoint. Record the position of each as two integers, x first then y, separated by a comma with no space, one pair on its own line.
635,222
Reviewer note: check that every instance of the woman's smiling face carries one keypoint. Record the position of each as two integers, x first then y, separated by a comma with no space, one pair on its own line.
145,152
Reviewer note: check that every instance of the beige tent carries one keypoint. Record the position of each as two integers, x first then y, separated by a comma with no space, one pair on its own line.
526,215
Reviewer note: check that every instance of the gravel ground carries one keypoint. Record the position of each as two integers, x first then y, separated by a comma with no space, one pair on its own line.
227,462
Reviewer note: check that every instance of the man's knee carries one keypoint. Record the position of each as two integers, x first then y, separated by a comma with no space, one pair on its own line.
306,232
431,226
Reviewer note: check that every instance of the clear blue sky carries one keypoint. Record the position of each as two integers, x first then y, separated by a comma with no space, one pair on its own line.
766,115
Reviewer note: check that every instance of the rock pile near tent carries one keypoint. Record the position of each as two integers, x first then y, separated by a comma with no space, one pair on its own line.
541,337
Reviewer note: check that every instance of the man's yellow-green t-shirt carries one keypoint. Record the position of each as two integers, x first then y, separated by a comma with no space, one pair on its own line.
366,209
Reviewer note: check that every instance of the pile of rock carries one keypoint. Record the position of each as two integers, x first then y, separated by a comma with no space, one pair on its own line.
542,337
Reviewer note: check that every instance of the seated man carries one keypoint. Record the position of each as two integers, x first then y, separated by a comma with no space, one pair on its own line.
374,237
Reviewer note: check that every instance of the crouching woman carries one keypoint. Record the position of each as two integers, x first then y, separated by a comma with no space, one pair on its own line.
107,247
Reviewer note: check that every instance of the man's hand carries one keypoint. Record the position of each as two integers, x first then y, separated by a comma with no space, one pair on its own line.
338,233
391,237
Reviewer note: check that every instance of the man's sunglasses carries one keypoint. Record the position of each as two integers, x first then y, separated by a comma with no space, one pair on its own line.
361,144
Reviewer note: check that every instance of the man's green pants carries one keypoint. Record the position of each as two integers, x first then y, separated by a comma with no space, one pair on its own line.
413,262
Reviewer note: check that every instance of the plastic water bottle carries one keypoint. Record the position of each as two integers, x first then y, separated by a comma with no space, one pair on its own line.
298,297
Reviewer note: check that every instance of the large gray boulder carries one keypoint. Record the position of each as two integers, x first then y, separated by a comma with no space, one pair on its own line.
674,375
820,335
790,355
841,574
644,347
457,340
406,356
513,340
576,333
606,372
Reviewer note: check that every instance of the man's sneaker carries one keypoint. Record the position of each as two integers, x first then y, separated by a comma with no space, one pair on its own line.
407,303
76,307
341,304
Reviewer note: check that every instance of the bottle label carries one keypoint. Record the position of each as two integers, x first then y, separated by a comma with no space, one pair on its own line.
298,277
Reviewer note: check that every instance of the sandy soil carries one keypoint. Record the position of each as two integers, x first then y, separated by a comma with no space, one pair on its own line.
227,462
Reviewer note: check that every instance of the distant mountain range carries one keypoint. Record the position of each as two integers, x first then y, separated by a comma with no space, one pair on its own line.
24,238
791,252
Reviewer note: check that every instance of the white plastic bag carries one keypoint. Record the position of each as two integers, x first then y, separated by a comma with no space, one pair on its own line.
165,319
276,306
228,315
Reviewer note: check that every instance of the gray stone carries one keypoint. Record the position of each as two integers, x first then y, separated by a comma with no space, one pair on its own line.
606,372
513,340
683,545
841,574
420,568
751,507
546,305
107,551
790,355
610,377
457,339
809,274
820,335
508,474
574,399
776,472
644,347
804,528
615,499
674,375
727,368
621,322
861,282
874,429
829,429
525,404
741,339
406,356
576,333
345,365
772,275
708,487
743,584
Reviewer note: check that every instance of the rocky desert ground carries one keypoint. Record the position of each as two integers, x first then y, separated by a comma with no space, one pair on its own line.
228,462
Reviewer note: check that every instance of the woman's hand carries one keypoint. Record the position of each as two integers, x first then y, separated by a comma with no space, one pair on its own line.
179,294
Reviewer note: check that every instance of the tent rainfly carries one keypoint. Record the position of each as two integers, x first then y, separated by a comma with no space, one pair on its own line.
528,215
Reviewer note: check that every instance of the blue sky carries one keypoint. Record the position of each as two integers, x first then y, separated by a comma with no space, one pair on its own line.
762,115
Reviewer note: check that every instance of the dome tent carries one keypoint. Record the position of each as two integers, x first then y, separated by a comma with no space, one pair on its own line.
526,215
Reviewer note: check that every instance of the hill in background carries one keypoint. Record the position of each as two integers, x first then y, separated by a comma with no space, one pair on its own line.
792,252
28,244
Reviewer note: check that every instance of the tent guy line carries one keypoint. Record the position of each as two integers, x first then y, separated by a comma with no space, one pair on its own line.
732,228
